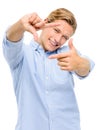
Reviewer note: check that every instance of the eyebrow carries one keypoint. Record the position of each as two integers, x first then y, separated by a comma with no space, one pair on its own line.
66,36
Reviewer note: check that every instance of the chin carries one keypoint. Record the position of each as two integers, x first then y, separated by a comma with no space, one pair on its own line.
50,48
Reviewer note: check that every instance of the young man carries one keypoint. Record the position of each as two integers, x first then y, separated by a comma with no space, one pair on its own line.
43,71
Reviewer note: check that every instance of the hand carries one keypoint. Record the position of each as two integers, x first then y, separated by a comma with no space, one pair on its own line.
68,60
32,23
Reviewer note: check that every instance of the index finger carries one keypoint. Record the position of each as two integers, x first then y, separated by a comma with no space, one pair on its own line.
43,24
58,56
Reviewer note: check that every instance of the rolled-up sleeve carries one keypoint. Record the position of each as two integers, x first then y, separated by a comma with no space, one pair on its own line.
92,64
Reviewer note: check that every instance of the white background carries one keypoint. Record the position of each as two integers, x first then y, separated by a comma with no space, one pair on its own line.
85,39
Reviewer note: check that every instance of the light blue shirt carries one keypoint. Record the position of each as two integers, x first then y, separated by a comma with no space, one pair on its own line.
45,94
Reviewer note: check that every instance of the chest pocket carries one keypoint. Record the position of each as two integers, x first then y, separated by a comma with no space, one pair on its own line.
60,76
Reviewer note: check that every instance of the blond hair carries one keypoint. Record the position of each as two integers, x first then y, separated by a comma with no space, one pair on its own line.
63,14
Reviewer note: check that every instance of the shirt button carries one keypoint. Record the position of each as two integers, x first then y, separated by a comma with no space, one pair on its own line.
47,92
46,77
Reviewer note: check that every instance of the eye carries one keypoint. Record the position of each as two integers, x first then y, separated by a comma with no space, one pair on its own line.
65,37
56,30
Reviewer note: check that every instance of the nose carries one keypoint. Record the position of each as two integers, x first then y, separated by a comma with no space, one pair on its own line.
58,38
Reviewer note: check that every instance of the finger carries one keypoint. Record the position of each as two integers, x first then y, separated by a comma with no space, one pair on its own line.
63,64
54,56
43,24
59,56
32,30
64,68
39,25
37,20
70,44
33,17
64,59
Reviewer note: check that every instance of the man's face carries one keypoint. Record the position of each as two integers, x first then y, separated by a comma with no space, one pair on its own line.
52,38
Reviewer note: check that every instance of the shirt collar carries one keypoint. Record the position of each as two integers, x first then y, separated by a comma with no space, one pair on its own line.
37,47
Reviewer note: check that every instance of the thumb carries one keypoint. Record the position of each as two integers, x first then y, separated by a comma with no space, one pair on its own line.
70,44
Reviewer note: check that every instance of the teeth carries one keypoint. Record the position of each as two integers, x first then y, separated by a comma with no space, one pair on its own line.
54,43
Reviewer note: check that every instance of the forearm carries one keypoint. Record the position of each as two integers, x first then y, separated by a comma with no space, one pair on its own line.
83,67
15,32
